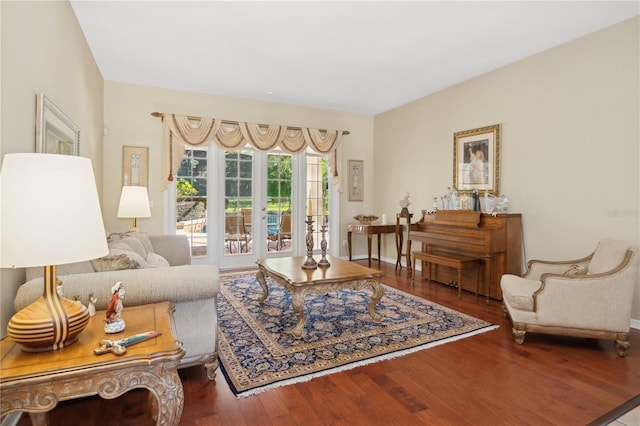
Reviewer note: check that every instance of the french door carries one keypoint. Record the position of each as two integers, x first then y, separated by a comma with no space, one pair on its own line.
257,205
254,206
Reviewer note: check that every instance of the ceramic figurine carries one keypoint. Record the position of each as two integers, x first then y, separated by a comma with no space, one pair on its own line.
92,304
114,321
464,202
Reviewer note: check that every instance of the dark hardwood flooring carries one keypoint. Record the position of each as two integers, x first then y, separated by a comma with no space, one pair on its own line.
485,379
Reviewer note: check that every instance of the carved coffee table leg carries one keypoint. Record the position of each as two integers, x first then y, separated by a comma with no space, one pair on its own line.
166,400
297,303
263,283
375,298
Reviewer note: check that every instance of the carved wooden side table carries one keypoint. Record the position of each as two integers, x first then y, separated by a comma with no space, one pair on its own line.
36,382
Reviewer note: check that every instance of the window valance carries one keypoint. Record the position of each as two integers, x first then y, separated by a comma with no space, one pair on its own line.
181,130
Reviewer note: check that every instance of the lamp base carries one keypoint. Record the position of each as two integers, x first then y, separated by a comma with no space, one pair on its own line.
49,323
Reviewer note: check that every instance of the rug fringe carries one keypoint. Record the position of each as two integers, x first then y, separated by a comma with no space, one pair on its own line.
353,365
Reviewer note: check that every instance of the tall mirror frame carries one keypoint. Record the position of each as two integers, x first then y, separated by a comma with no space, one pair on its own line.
55,132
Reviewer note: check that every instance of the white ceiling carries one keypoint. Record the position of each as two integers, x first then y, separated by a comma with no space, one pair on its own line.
361,56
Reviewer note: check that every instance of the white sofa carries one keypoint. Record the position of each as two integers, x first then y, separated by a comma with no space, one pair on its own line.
163,272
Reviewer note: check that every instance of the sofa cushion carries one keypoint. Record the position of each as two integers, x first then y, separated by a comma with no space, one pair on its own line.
66,269
154,260
118,260
143,237
129,244
608,255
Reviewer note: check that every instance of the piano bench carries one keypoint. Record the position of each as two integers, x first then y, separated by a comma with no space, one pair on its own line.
452,260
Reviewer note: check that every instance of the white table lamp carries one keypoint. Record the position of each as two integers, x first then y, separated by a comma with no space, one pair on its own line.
49,215
134,203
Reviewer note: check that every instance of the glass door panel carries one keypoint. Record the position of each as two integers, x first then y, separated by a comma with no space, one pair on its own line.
238,203
191,198
279,184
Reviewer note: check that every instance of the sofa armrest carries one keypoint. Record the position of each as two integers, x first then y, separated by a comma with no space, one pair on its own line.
175,248
142,286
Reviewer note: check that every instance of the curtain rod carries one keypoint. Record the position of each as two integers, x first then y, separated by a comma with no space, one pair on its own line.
191,117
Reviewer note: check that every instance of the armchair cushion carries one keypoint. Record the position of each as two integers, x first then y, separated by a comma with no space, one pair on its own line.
608,255
519,291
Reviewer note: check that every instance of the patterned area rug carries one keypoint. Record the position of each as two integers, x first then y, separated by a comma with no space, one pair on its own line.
257,352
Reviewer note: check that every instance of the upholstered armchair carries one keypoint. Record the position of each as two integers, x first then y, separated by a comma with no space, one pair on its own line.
588,297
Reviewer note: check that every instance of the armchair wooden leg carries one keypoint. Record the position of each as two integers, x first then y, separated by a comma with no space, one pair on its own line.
622,344
518,334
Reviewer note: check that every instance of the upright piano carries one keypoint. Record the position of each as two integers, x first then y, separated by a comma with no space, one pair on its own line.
495,238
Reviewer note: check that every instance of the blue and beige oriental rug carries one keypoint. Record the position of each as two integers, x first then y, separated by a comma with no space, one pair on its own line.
257,352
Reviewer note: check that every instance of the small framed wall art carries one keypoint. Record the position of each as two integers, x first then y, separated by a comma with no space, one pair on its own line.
135,166
356,180
476,160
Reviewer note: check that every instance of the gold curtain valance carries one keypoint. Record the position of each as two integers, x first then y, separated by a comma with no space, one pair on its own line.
181,130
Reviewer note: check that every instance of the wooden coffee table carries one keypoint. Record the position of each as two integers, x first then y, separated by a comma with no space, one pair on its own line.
36,382
288,272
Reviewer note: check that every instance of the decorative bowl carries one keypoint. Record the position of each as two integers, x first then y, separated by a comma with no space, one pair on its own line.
365,219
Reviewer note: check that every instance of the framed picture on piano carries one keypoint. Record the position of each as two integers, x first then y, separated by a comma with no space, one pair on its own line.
476,160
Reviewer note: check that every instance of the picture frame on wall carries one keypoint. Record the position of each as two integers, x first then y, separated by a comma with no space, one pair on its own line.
56,133
356,180
476,160
135,166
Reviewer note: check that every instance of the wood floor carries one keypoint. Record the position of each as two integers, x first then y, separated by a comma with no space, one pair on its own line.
486,379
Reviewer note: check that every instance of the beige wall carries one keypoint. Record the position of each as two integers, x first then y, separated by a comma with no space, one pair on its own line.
128,120
43,50
570,143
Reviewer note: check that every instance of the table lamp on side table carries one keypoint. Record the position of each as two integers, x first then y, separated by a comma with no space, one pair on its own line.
49,215
134,203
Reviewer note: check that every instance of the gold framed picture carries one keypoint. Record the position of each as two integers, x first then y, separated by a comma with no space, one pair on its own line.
476,160
135,166
356,180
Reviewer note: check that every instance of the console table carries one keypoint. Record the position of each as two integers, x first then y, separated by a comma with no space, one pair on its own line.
369,231
36,382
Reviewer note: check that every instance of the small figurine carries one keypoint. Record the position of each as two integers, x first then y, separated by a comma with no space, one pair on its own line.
59,288
92,304
114,321
404,203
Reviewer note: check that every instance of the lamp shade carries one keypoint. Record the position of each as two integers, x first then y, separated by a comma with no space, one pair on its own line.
49,211
134,202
